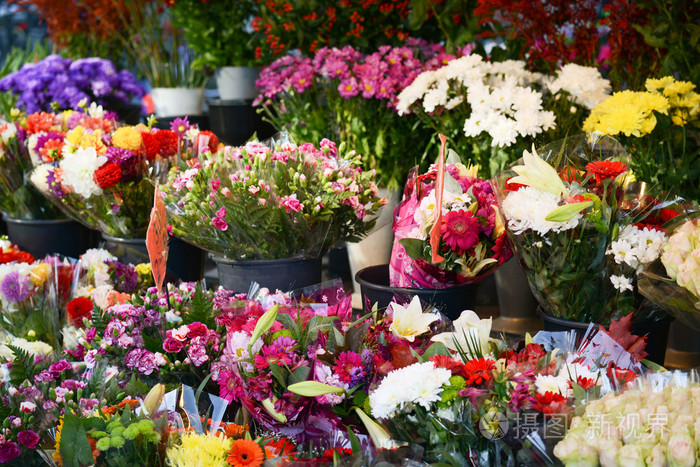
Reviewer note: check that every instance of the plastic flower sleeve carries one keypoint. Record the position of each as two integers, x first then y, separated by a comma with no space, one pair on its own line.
673,281
563,205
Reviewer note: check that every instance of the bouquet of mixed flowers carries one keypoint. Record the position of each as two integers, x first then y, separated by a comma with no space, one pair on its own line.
659,128
61,83
472,400
653,423
352,96
262,202
490,111
32,139
106,180
569,215
461,241
673,281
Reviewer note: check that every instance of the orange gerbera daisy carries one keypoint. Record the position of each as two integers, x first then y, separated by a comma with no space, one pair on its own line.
245,453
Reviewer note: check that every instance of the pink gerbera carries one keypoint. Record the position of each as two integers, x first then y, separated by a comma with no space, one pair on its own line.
460,230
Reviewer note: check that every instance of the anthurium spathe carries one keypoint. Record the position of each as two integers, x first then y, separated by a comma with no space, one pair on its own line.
410,321
471,335
537,173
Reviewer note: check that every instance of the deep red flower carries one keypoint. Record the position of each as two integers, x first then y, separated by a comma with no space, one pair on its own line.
15,256
207,138
569,174
168,141
478,370
585,383
77,309
550,402
605,169
513,186
108,175
449,363
460,230
151,145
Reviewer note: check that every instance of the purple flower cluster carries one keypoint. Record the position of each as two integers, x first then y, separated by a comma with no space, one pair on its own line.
67,82
380,75
124,276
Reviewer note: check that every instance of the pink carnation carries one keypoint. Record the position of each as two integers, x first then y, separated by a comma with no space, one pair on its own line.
291,203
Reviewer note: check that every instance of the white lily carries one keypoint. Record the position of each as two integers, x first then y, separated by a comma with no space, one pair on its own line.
539,174
469,330
409,322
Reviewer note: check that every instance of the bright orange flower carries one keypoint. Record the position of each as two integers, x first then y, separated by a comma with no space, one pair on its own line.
245,453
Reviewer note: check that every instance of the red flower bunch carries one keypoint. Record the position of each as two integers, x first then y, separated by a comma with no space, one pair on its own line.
605,169
550,403
108,175
78,309
14,254
478,370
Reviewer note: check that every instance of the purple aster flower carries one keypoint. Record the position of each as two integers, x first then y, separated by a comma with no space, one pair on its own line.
15,287
180,126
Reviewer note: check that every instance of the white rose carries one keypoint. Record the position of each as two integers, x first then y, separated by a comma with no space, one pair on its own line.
657,456
681,451
630,455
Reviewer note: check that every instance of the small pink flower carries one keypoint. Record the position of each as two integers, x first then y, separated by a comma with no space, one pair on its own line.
291,203
221,213
219,224
254,189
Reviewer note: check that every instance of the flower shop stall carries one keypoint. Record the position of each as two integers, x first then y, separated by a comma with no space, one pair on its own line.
552,145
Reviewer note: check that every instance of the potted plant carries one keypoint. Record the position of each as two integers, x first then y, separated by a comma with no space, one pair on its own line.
267,213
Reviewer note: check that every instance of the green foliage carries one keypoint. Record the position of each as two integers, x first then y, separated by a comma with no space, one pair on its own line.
201,308
23,367
75,448
136,387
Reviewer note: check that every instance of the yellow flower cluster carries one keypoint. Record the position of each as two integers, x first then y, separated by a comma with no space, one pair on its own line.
199,450
681,95
127,137
79,137
633,113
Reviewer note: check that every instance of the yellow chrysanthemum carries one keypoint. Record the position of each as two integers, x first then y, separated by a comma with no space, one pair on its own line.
56,456
143,269
197,449
39,274
678,88
627,112
127,137
658,84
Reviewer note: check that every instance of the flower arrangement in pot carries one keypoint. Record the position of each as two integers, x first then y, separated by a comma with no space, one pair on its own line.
219,33
580,229
258,202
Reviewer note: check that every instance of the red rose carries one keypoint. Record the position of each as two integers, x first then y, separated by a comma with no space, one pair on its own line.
550,402
151,145
108,175
78,309
168,141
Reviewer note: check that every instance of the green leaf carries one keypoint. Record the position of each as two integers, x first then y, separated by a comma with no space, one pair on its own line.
201,308
354,442
263,325
313,389
568,211
135,387
75,447
413,247
277,373
300,374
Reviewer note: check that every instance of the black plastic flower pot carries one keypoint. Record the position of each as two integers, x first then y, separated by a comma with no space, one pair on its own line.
234,122
283,274
185,261
65,237
375,288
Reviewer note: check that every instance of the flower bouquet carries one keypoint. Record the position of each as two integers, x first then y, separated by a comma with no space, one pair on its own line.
659,129
61,83
490,111
673,281
339,91
106,180
261,202
564,212
461,241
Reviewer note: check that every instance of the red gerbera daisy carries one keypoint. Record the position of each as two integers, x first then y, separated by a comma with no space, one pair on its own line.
605,169
549,402
478,370
460,230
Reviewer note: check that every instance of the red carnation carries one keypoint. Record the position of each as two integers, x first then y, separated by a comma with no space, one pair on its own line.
478,371
605,169
550,402
151,145
460,230
208,138
108,175
78,309
168,141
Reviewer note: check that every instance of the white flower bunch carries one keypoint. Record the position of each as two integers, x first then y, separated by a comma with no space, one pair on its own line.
38,348
420,383
79,171
585,84
93,261
501,101
635,248
527,209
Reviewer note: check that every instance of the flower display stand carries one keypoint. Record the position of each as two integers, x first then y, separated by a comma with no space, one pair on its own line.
375,288
283,274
